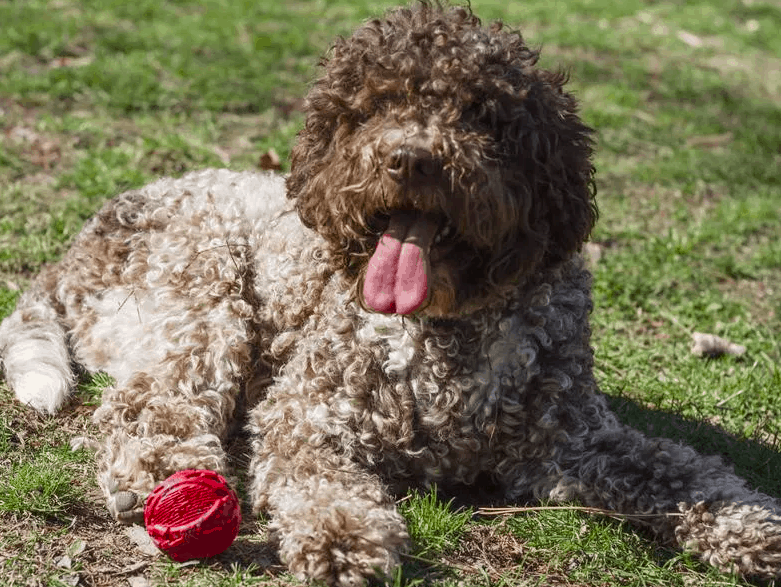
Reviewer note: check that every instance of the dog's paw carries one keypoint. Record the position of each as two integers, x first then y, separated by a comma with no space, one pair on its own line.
131,467
126,507
341,545
743,538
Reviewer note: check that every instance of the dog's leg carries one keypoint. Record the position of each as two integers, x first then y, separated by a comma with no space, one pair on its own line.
691,499
333,521
173,414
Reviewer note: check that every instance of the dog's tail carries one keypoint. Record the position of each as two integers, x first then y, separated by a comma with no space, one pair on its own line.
34,352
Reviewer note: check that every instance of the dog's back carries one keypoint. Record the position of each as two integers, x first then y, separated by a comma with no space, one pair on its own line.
137,267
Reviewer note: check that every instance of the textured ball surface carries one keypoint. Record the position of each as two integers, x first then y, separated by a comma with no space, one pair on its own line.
192,514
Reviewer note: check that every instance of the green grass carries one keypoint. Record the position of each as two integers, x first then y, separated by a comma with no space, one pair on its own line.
432,525
98,96
594,552
42,485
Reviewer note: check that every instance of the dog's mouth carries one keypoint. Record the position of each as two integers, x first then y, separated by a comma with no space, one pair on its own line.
398,276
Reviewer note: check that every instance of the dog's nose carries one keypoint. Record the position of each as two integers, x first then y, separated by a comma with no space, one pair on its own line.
411,164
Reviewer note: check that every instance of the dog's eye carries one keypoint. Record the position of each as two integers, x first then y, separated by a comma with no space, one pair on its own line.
485,118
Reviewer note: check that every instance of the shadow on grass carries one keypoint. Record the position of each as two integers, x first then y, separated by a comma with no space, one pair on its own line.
257,557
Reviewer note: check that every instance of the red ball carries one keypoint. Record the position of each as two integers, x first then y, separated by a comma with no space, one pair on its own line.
192,514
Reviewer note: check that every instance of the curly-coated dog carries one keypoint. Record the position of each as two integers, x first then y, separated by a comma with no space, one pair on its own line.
409,306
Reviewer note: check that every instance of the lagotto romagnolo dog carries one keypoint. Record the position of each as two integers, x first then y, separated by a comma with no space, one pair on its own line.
409,306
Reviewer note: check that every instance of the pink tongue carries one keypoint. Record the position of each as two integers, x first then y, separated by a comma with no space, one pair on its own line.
396,279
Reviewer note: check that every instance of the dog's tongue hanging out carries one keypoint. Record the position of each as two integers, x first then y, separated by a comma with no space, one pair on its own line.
398,273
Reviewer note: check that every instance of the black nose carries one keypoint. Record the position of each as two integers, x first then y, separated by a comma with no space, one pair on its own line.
412,164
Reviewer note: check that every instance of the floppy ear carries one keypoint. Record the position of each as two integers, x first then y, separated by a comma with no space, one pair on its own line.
330,114
554,150
306,162
309,154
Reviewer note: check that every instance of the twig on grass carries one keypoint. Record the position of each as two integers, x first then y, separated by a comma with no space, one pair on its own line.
507,511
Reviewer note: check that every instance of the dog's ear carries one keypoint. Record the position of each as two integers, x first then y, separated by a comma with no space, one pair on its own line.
553,152
330,114
305,156
309,156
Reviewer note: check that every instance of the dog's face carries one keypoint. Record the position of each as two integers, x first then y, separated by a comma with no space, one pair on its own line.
442,167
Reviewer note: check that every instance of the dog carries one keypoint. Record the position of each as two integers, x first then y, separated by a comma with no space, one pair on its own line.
409,306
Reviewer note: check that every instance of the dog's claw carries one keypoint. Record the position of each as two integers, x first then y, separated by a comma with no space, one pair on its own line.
124,501
126,507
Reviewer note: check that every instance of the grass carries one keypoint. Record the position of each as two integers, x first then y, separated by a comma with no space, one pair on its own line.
103,95
588,551
43,485
433,527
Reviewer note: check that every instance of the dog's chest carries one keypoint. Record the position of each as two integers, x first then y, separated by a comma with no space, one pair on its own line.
467,384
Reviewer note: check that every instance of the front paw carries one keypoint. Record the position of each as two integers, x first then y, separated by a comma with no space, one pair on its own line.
745,538
342,544
130,467
126,507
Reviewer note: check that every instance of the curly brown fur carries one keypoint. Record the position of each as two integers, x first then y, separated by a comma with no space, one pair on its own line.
506,159
412,309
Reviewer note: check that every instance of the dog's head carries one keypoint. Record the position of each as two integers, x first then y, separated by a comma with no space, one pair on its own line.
441,166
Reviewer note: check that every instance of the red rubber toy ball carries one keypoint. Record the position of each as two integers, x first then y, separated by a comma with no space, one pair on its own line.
192,514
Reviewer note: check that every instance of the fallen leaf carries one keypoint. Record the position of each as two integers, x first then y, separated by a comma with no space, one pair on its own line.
76,548
270,160
710,345
140,538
